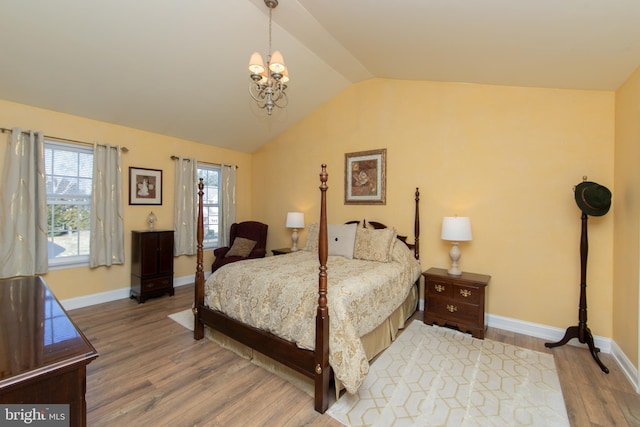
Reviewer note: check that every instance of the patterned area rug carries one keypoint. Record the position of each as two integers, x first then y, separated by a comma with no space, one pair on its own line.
184,318
432,376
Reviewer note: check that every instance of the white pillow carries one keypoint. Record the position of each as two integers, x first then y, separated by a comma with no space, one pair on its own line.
342,238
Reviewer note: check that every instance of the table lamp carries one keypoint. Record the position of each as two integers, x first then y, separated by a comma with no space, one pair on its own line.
295,220
455,229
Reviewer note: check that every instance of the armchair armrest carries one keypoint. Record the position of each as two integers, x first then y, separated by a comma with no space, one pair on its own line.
221,252
258,253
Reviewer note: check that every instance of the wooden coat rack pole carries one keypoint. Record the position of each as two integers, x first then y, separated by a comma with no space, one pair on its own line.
581,331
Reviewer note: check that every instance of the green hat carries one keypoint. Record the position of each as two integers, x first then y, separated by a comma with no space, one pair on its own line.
593,199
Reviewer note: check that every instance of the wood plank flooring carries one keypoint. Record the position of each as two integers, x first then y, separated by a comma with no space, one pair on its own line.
151,372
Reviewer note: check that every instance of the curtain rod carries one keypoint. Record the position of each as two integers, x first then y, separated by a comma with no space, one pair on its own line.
124,149
207,163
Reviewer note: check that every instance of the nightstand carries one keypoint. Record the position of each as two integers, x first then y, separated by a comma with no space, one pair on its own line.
281,251
456,301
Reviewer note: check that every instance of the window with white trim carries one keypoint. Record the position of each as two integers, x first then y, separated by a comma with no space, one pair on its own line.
68,175
210,204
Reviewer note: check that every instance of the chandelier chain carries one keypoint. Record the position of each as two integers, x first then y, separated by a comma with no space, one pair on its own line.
269,51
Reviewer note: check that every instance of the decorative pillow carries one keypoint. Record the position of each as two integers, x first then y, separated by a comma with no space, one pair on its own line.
241,247
312,237
341,239
374,245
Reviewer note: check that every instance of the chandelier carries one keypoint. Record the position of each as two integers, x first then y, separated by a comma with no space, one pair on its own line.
268,84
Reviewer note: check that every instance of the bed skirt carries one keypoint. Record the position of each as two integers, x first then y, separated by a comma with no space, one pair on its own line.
374,343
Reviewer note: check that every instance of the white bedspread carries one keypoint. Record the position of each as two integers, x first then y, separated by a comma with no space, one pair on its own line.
279,294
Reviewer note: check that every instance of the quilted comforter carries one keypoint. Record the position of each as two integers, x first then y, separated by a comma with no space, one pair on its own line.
279,294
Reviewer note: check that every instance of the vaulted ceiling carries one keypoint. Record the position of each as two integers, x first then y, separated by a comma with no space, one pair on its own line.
179,67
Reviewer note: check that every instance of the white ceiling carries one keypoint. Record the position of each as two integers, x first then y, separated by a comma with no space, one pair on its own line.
178,67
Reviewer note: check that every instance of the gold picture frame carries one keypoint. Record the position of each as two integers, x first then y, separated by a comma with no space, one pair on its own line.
365,177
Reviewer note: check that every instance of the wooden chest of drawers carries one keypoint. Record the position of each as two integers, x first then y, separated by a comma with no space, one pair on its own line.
43,354
456,301
151,264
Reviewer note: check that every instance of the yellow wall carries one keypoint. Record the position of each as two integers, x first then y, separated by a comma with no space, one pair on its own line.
627,218
146,150
507,157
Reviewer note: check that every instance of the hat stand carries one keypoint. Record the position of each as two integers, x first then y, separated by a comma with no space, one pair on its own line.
581,331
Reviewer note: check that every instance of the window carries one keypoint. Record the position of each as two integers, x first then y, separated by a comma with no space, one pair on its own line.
68,175
210,204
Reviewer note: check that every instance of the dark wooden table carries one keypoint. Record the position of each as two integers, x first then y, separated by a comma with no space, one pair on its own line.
43,354
456,301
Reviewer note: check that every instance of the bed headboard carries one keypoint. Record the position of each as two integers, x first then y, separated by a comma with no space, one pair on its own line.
415,247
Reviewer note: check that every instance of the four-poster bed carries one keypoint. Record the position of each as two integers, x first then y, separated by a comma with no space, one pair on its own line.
299,345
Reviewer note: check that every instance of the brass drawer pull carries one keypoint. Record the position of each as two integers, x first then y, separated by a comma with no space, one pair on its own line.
439,288
465,293
452,308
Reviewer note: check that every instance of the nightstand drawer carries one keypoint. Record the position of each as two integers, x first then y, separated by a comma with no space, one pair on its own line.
448,309
468,294
437,287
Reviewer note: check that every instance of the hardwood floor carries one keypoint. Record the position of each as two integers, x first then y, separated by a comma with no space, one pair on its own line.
151,372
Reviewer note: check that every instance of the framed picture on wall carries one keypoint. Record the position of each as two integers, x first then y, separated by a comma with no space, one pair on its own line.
145,186
365,177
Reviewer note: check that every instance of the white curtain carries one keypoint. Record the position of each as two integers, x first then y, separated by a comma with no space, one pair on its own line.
23,214
107,225
228,194
185,210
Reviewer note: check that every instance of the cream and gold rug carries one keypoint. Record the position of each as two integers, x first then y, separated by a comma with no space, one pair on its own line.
432,376
184,318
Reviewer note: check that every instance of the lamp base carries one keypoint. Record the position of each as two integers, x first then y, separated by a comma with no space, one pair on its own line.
454,254
454,272
294,240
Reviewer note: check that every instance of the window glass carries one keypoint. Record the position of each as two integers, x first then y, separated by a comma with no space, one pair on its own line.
68,175
210,204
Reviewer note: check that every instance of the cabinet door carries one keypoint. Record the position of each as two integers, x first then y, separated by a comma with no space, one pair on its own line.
165,253
149,254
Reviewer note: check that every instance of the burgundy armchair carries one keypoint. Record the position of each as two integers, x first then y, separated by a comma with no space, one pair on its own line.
250,230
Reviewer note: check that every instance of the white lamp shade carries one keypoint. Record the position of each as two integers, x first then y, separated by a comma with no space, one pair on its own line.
256,65
277,62
295,220
285,76
456,229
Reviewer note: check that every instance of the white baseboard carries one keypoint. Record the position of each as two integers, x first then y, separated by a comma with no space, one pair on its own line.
122,293
626,365
537,330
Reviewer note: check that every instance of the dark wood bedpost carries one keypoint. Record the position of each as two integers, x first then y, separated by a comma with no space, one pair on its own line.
416,226
322,369
198,326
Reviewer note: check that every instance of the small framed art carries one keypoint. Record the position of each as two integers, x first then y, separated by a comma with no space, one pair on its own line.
145,186
365,177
